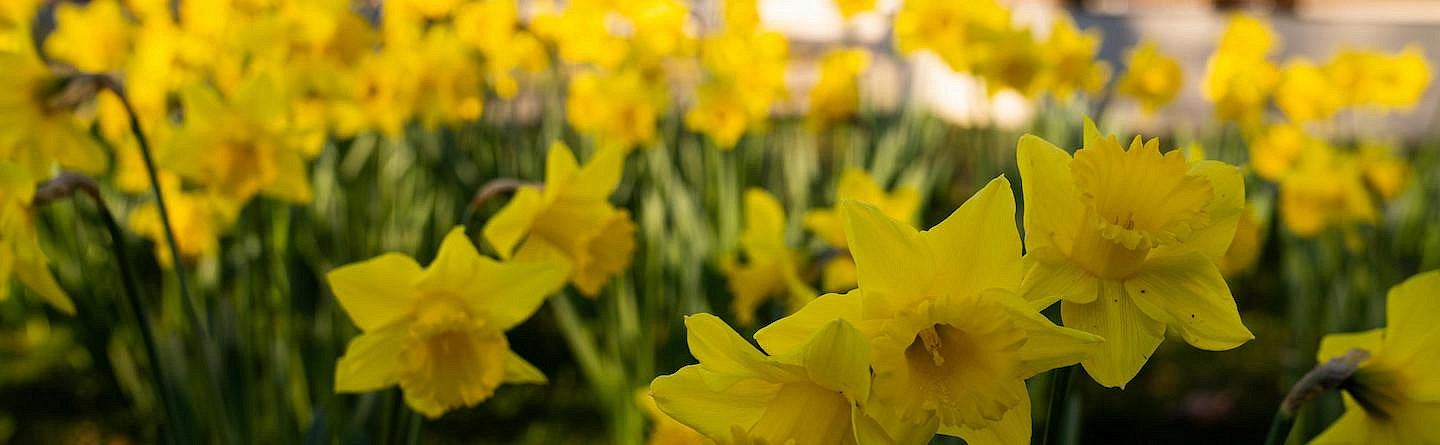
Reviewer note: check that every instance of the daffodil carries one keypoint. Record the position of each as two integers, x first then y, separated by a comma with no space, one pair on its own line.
96,37
1151,78
948,29
20,253
1276,149
1378,79
1128,240
738,395
196,216
1011,59
771,267
438,332
836,95
951,342
1074,66
1238,78
40,128
903,204
851,8
1385,172
15,19
753,62
665,430
720,113
235,146
1306,93
1326,189
570,217
1245,249
618,108
1394,396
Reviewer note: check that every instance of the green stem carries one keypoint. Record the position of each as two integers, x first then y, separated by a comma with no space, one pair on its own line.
1280,428
1059,402
578,337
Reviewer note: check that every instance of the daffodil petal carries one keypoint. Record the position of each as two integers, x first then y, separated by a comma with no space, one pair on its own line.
1225,209
1047,346
689,398
977,247
371,360
1412,333
792,332
1047,281
292,182
893,263
1352,428
453,269
599,177
505,230
838,358
1189,294
1130,335
718,347
828,225
1335,345
517,370
1053,209
560,165
508,293
38,279
1012,428
377,291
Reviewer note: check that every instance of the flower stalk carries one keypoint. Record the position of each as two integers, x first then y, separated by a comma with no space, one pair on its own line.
1326,377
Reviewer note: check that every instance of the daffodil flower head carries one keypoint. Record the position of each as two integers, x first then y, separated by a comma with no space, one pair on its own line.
96,37
902,204
836,95
951,342
570,218
739,395
41,128
1129,240
235,147
1151,78
438,332
771,267
20,253
1325,189
1394,396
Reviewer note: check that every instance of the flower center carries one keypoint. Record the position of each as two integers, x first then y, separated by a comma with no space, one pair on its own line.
438,314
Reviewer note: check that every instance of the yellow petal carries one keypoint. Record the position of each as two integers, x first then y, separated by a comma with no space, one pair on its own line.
718,347
1190,296
1130,335
508,293
1352,428
599,177
838,358
826,224
292,180
560,164
790,333
371,360
377,291
517,370
839,274
1012,428
1224,211
505,230
36,276
893,264
1053,210
1412,334
1046,346
1050,279
688,397
977,247
1335,345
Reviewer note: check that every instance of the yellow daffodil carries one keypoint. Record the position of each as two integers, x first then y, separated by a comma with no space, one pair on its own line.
850,8
1326,189
1074,66
438,332
753,62
20,253
1378,79
836,95
1129,240
951,342
449,80
738,395
771,267
902,205
720,113
1012,60
658,28
1247,37
196,216
1274,152
15,19
570,217
581,34
1238,78
1305,93
1387,173
236,147
948,29
664,429
1394,396
1151,78
40,128
96,37
618,108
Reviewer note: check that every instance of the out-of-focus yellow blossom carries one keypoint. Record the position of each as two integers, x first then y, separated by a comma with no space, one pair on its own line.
1305,92
1379,79
1073,65
659,28
1128,240
1325,189
664,429
1151,78
836,95
438,332
850,8
448,80
381,94
96,37
490,27
196,217
1394,396
951,343
1245,249
618,108
771,267
1013,60
753,63
948,28
15,19
570,217
720,113
742,16
581,35
40,128
235,147
1238,78
902,205
812,395
20,254
1274,152
1386,173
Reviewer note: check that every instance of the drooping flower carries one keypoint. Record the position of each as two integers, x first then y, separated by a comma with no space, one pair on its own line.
771,267
1128,240
903,204
20,254
1151,78
439,332
570,217
1394,396
813,394
951,342
40,128
836,96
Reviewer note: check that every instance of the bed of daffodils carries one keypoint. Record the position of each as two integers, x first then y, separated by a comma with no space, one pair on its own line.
616,221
